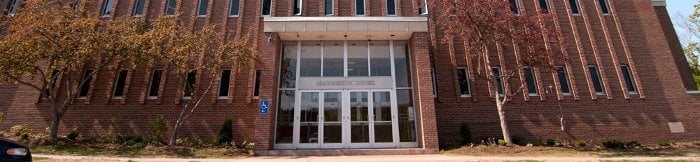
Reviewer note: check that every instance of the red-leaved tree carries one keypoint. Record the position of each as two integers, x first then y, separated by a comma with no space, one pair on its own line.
490,30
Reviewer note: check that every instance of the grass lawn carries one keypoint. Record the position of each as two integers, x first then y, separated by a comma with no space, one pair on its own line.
685,150
148,151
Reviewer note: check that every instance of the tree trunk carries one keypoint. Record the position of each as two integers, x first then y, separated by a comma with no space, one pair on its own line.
53,129
502,117
176,129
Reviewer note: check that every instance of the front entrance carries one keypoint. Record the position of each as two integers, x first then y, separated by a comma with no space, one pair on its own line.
346,119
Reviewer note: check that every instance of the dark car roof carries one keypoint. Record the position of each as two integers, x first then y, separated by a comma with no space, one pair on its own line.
12,142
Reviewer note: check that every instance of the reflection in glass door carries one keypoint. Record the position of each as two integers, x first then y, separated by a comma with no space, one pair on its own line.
308,122
382,119
332,120
359,119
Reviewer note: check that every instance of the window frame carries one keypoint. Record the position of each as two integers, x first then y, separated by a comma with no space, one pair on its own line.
534,81
298,4
199,8
151,84
237,7
116,84
599,79
423,9
228,84
465,71
629,79
565,81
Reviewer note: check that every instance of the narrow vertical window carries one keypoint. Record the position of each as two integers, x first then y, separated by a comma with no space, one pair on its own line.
202,9
514,6
423,10
497,75
563,80
629,79
75,5
544,7
85,84
155,84
233,10
391,7
463,77
107,8
225,83
604,6
266,4
595,77
12,7
574,7
432,76
120,84
138,7
297,7
52,84
360,7
189,83
256,91
328,8
531,81
170,7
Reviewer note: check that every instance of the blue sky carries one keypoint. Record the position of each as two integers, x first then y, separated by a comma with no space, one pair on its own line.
680,7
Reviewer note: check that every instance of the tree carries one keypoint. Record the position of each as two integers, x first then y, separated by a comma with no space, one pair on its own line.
691,46
188,53
488,29
51,39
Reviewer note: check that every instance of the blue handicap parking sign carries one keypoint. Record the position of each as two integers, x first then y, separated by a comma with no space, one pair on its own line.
264,106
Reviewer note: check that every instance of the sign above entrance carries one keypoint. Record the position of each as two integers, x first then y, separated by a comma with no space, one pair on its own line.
337,83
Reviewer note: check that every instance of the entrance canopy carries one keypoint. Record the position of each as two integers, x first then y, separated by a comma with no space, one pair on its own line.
345,28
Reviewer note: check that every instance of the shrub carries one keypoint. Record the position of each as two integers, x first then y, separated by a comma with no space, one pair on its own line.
580,143
19,129
191,142
551,142
519,140
133,141
73,134
107,137
615,144
225,133
667,143
158,129
466,133
24,136
501,142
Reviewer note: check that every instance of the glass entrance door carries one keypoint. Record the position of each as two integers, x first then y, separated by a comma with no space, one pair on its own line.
332,120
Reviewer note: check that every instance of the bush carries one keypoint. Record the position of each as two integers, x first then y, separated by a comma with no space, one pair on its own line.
551,142
193,142
466,133
501,142
133,141
225,133
667,143
73,134
158,129
518,140
24,136
19,129
580,143
107,137
615,144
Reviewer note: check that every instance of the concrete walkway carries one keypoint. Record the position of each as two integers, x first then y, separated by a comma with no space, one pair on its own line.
380,158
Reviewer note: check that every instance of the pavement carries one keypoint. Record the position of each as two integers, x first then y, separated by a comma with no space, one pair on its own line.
373,158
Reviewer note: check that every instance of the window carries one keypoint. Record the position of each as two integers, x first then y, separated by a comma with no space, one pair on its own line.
333,62
496,71
235,5
85,84
604,6
107,8
423,10
52,84
203,6
297,7
256,91
391,7
310,62
266,4
563,80
155,84
380,58
120,84
432,76
12,6
328,8
189,83
357,58
402,64
75,5
138,7
574,7
463,77
629,79
531,81
170,7
595,77
544,8
224,84
514,6
360,7
288,65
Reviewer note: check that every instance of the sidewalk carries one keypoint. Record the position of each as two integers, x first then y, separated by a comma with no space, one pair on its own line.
380,158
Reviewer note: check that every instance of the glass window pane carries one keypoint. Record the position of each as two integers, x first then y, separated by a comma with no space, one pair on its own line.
107,8
309,117
391,7
359,116
543,6
297,7
497,73
407,116
574,6
288,67
225,84
138,7
155,83
85,83
595,77
604,6
233,10
121,83
530,80
332,126
463,81
310,59
514,6
170,7
628,78
382,117
333,59
203,5
266,7
357,58
380,58
563,80
402,64
359,7
285,118
190,83
329,7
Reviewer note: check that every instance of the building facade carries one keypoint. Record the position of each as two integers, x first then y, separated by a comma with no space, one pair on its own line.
374,74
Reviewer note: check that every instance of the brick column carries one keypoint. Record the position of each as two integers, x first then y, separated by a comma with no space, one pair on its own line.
264,124
423,91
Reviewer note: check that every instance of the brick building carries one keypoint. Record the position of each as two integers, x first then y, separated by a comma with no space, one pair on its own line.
341,74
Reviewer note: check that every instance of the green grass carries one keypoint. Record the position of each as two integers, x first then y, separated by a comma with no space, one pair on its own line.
39,158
